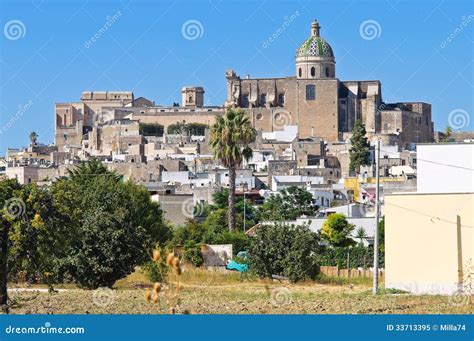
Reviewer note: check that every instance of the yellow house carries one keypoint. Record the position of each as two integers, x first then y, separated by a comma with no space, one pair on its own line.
429,242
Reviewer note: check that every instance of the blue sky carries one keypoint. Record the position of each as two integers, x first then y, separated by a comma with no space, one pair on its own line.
420,50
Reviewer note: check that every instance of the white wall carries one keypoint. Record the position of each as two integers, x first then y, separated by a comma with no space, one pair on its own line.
435,176
182,177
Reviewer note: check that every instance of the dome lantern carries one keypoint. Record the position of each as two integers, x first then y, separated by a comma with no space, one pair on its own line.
315,28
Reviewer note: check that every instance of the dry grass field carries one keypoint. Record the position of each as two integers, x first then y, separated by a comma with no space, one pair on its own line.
206,292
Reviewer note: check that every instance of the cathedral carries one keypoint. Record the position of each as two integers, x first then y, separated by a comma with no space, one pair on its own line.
323,106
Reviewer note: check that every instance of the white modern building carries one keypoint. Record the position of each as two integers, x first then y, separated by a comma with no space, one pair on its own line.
445,168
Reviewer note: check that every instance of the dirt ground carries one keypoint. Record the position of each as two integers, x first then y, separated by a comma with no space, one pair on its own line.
203,292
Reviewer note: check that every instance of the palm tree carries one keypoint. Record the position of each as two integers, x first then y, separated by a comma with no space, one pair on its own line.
361,235
230,139
33,137
87,170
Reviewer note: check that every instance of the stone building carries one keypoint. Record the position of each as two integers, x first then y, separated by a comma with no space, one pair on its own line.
313,103
323,106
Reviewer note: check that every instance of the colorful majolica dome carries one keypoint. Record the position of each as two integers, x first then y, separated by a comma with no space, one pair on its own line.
315,46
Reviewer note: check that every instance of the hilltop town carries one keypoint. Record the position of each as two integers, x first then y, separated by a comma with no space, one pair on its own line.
304,123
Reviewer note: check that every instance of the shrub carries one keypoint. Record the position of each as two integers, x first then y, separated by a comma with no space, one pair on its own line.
239,240
192,253
155,271
151,129
359,256
282,249
337,230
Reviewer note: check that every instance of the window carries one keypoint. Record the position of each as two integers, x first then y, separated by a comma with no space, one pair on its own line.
313,72
281,99
327,72
427,122
299,72
263,99
191,99
245,101
310,92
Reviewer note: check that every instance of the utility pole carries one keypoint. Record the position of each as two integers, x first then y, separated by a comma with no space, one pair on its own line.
376,235
244,212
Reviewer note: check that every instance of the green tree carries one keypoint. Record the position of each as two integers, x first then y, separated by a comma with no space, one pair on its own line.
361,235
359,152
33,137
336,230
177,128
11,210
448,132
117,227
220,207
287,250
115,224
192,253
34,238
150,129
289,204
382,234
191,230
231,136
187,128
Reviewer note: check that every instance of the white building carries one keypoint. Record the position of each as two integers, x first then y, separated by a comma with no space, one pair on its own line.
288,134
183,177
283,181
445,168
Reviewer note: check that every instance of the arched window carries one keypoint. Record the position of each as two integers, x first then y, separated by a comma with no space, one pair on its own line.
281,99
300,72
310,92
327,71
263,100
245,101
313,71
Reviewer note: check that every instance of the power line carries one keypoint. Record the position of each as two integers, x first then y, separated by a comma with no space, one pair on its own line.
431,161
428,215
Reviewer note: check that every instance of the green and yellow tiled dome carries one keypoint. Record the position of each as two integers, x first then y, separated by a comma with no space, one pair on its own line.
315,46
